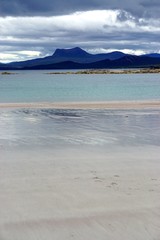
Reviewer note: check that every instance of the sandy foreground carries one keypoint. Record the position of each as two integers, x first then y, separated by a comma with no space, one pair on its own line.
80,196
55,194
87,105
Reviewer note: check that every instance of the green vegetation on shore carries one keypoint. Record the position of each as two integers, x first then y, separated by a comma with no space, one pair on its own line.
7,73
104,71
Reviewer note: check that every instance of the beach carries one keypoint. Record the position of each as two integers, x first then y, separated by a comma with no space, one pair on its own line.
79,120
80,171
93,197
152,104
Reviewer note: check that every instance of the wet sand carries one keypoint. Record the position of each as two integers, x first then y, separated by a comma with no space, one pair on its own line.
87,105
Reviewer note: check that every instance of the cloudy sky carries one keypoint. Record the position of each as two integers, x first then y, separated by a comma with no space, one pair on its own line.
35,28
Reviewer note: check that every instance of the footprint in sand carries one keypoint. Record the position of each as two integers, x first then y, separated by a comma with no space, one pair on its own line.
116,176
114,183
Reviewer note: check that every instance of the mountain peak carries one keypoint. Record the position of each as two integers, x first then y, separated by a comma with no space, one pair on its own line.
72,52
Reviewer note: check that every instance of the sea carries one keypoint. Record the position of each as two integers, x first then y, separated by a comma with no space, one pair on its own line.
40,86
67,129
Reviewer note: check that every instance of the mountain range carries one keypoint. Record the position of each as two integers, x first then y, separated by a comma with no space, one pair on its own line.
77,58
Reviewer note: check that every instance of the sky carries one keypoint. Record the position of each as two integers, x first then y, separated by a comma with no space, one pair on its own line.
35,28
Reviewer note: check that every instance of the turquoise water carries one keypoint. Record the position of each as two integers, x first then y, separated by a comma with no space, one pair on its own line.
37,86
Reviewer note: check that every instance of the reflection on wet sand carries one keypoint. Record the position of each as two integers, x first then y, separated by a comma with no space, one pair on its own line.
79,174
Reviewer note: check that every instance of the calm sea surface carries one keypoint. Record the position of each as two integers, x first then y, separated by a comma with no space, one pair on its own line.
37,86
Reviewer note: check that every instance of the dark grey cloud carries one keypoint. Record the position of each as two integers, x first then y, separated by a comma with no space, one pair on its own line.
41,7
149,3
139,8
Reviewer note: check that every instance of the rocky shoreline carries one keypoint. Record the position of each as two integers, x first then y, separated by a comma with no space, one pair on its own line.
101,71
115,71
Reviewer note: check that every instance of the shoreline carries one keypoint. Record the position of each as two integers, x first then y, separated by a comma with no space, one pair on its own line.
155,104
142,70
110,71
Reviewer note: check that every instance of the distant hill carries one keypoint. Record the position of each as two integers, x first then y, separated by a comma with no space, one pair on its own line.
77,58
62,55
124,62
73,52
4,66
154,55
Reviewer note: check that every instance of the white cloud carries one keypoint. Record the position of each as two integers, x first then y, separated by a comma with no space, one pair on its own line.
134,52
30,53
7,57
127,51
97,20
18,56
